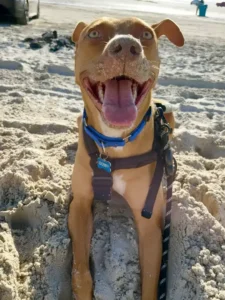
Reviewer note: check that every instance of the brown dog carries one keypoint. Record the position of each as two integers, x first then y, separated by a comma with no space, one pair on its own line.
116,67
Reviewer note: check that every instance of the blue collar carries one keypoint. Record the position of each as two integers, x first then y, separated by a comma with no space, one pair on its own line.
104,141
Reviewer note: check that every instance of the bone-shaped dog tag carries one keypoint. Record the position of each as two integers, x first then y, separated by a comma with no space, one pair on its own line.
104,164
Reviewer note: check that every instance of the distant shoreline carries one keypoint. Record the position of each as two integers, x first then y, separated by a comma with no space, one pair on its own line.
176,8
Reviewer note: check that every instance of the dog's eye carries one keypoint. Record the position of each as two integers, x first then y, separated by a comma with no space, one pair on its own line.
147,35
94,34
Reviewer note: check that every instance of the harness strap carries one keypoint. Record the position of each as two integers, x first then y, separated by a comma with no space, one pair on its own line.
102,186
132,162
153,189
101,181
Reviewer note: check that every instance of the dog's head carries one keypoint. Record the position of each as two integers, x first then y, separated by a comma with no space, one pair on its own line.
117,65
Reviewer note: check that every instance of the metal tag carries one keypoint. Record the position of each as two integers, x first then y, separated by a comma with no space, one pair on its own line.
104,164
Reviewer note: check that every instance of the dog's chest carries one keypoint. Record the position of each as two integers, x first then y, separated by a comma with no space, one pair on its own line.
119,184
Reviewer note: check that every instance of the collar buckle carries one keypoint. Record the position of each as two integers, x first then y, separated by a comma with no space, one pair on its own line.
126,139
103,148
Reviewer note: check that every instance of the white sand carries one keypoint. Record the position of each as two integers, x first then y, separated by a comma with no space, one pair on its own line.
39,105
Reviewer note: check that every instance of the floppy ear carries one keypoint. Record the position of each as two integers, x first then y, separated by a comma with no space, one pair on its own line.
170,29
77,31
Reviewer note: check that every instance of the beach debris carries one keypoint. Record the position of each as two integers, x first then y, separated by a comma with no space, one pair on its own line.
51,38
221,4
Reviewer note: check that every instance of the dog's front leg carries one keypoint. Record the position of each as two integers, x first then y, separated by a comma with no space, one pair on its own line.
80,228
150,254
150,238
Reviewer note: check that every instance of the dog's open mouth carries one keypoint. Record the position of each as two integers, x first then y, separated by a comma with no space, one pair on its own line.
117,98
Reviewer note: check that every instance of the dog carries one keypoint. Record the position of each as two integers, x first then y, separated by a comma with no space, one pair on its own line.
116,66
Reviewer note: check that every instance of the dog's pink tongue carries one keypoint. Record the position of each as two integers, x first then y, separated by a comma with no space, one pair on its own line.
119,104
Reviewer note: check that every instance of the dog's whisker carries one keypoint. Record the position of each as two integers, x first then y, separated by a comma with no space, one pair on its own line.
154,62
103,42
155,67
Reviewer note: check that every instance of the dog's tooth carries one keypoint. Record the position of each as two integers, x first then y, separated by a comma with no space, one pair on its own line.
100,92
134,90
135,94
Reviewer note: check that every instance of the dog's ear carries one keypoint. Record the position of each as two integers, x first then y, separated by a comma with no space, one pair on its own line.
171,30
77,31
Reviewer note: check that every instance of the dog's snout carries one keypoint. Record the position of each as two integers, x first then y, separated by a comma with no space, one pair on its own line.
124,45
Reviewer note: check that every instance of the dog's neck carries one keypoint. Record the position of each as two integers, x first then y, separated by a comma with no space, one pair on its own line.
141,144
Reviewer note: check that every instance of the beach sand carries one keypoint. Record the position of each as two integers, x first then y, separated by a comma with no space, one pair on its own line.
39,105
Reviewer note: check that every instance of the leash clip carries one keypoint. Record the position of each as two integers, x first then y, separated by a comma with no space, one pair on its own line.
103,148
102,162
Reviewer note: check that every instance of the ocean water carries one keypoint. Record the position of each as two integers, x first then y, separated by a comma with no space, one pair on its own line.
169,7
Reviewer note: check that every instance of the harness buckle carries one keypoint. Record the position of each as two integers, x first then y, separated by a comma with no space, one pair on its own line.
163,130
169,163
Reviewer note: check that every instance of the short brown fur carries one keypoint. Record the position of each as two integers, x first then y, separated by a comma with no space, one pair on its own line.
90,59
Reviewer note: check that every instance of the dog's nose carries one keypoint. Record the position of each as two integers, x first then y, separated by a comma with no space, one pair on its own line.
124,45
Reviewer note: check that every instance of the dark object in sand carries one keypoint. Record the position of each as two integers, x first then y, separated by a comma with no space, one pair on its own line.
52,39
221,4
